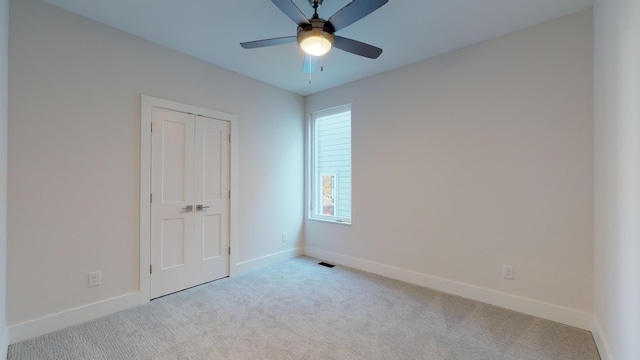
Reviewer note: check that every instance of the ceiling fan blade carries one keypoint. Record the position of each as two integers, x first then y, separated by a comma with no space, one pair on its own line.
268,42
310,63
291,10
357,47
354,11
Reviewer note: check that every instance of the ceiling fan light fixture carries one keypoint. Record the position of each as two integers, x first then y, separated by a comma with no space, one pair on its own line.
315,41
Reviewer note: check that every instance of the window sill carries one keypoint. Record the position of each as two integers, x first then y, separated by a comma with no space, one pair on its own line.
334,221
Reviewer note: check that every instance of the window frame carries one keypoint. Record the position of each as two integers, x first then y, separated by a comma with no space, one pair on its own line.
314,195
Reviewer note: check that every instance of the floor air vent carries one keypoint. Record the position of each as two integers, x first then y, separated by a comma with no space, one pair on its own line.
326,264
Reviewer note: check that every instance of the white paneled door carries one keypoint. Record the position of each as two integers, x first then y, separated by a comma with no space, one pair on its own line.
190,200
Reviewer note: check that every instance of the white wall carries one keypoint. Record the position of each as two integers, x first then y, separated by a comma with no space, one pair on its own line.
617,177
74,100
4,62
474,159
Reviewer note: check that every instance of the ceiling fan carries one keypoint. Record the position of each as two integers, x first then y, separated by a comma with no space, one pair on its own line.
316,36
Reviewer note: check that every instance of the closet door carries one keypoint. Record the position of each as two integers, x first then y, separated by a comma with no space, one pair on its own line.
172,220
190,201
212,199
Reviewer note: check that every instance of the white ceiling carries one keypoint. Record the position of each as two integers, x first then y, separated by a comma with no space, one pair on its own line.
407,30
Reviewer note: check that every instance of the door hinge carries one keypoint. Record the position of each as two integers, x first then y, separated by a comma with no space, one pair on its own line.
150,269
229,250
151,127
229,137
229,194
150,197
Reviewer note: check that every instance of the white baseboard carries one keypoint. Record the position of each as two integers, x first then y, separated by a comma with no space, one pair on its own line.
46,324
601,340
253,264
4,343
524,305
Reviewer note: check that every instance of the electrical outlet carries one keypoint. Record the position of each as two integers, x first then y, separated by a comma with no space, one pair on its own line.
95,278
284,237
507,272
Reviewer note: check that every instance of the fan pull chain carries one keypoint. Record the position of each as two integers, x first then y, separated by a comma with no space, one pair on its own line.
309,69
322,57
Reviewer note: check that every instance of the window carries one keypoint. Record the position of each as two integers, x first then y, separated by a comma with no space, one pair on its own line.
330,185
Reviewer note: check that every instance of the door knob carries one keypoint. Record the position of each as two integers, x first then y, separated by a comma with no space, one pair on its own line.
188,208
201,207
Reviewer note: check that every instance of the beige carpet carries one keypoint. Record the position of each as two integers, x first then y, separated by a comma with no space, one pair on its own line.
301,310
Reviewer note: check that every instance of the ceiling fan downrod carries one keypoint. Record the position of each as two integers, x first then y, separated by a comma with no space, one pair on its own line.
315,4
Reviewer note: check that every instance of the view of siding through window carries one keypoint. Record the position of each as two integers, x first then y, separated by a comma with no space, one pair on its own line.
333,165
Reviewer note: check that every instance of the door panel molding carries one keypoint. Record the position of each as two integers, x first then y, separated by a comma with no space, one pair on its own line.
148,103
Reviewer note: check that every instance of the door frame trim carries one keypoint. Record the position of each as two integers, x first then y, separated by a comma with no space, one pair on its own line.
147,103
